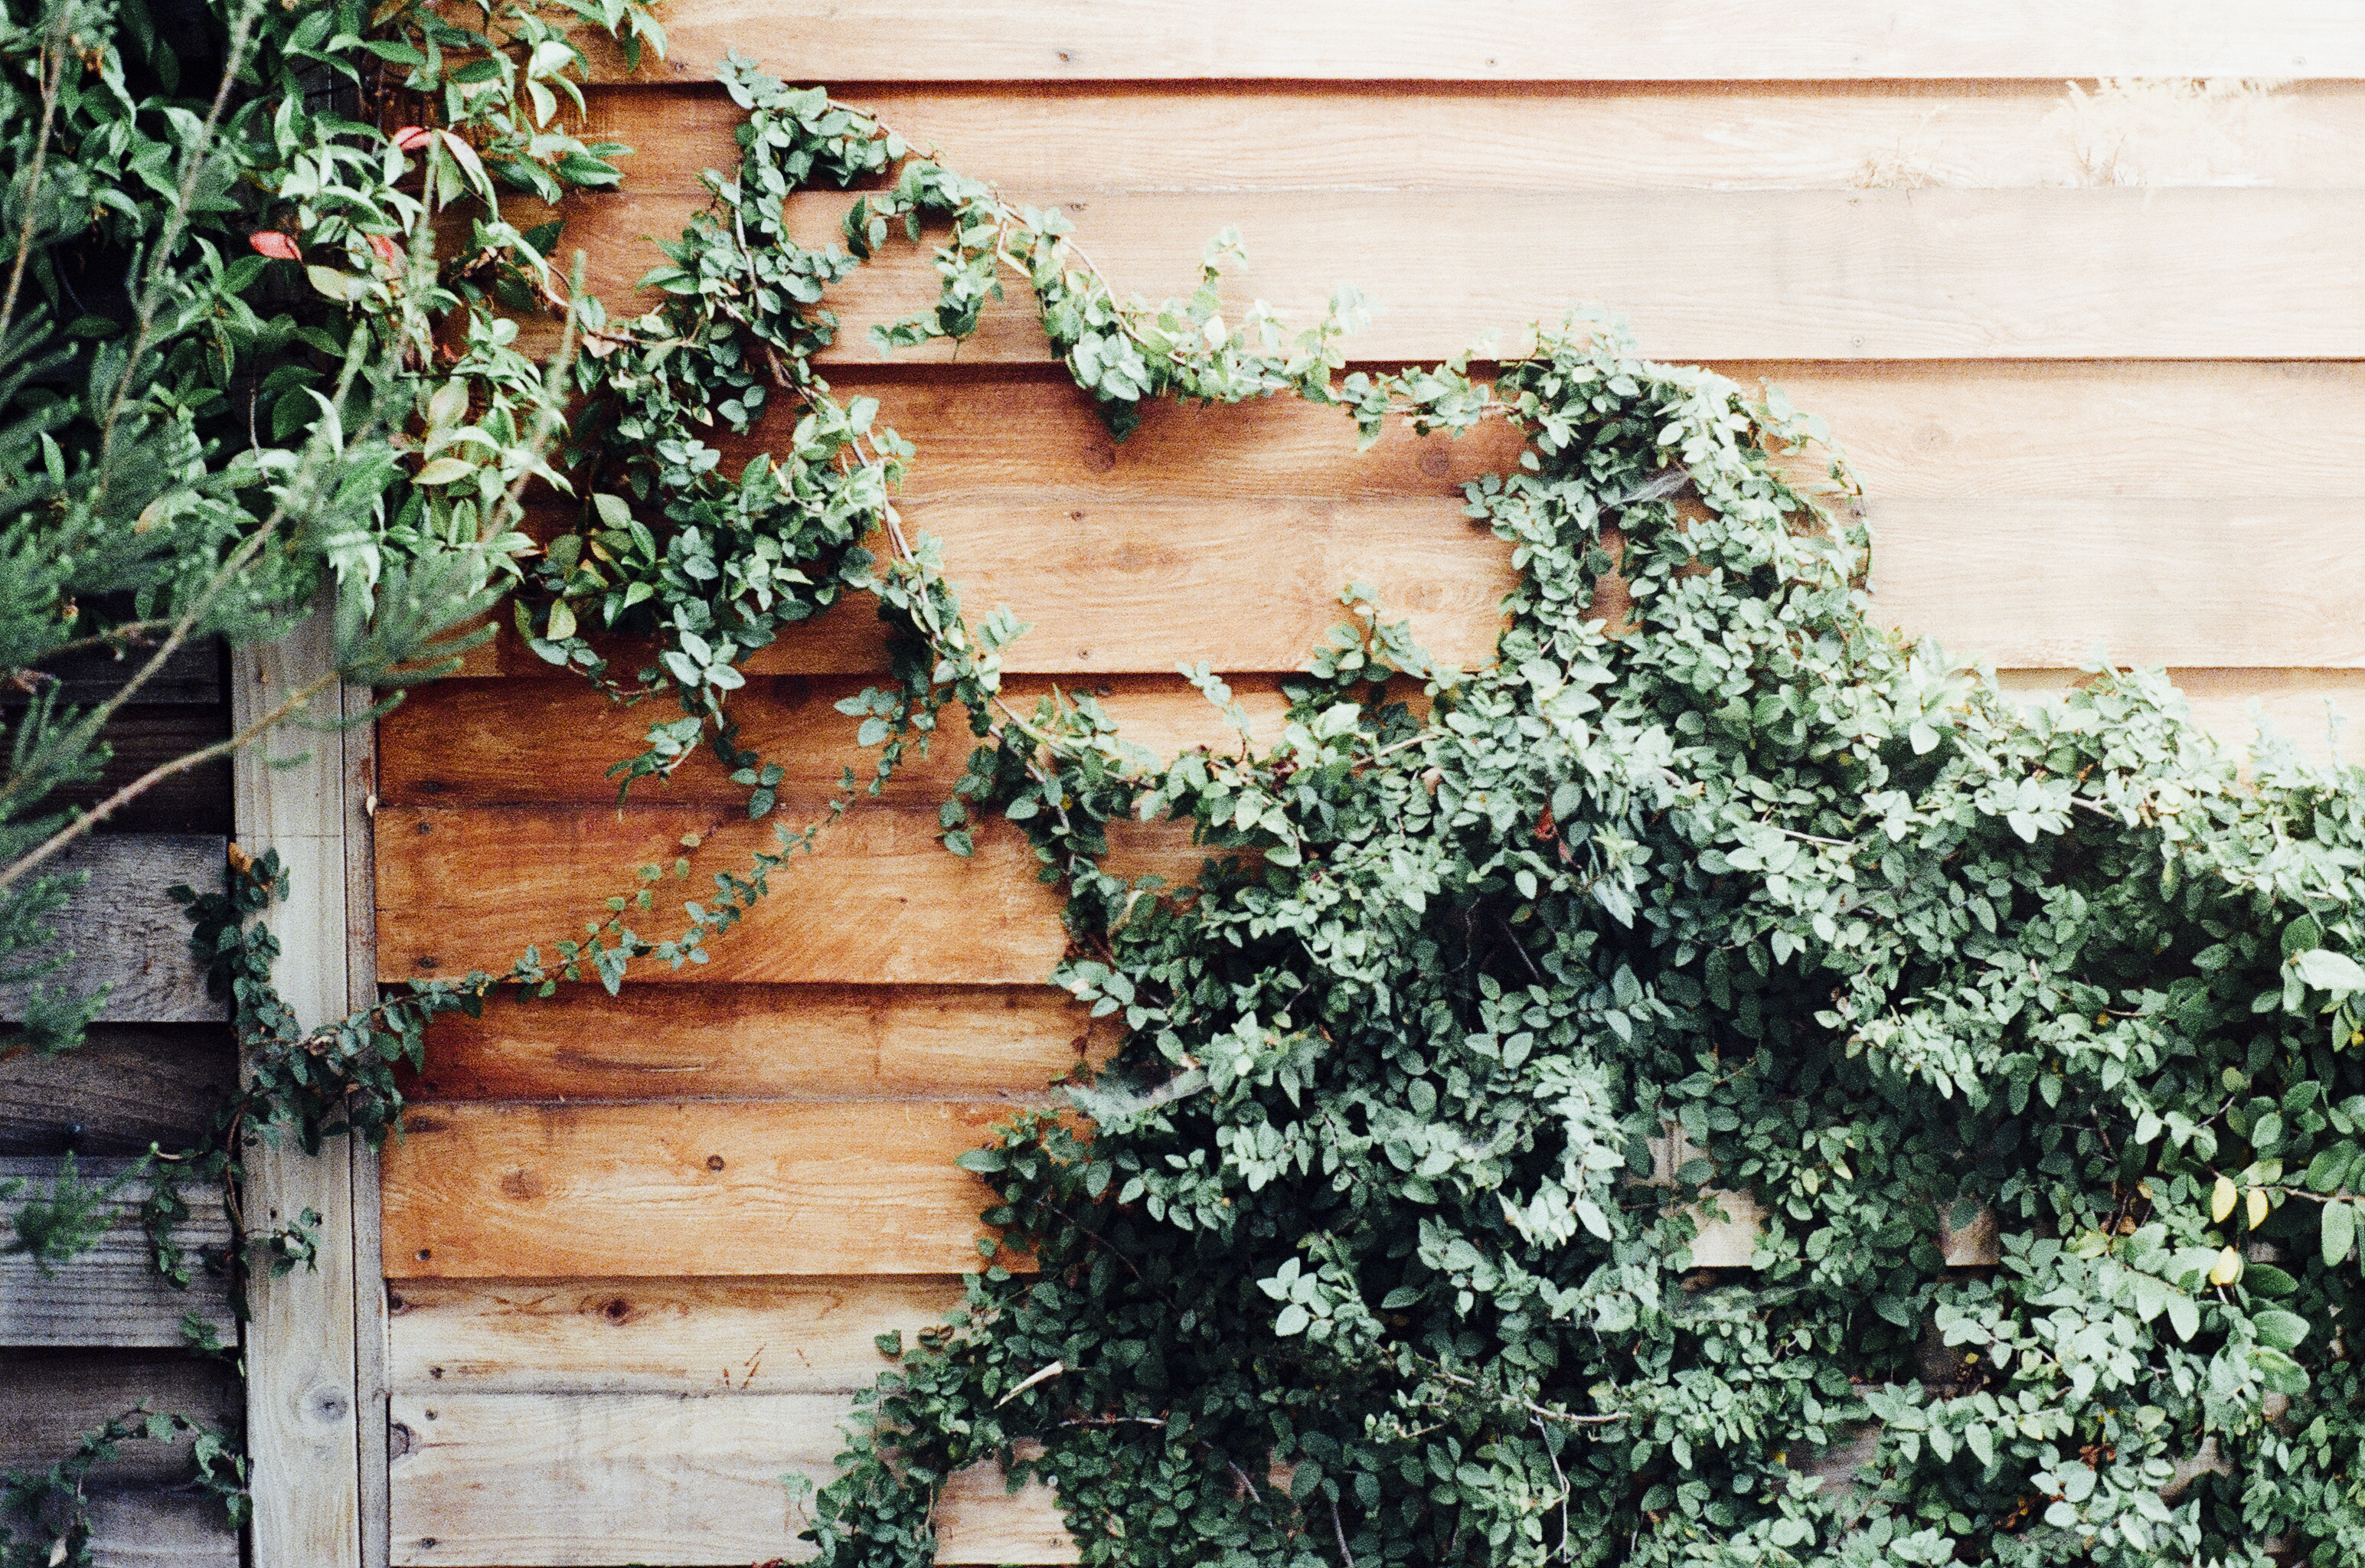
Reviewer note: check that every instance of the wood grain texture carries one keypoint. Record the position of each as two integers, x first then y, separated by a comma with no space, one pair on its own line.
526,740
358,798
554,1480
631,1336
301,1428
1726,135
191,675
2316,710
1502,40
880,903
2261,274
692,1189
130,1085
110,1294
146,735
144,1514
124,932
2141,581
800,1042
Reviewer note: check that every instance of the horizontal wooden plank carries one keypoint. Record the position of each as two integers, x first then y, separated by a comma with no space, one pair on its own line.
161,1529
130,1085
629,1335
191,676
555,1481
1935,274
143,737
126,934
49,1398
1502,40
880,903
801,1042
1579,136
2051,584
110,1294
523,741
2024,583
1912,430
690,1189
2316,710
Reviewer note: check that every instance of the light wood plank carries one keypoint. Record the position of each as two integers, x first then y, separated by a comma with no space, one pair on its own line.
110,1294
555,1481
1912,430
631,1336
1502,40
1726,135
359,795
300,1424
803,1042
123,932
2025,583
2314,709
1809,274
130,1085
524,741
880,903
693,1189
2049,583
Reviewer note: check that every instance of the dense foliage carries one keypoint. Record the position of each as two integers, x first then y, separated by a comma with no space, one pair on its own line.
1375,1247
240,386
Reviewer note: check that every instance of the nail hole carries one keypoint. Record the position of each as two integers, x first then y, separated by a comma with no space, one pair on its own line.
425,1253
715,1162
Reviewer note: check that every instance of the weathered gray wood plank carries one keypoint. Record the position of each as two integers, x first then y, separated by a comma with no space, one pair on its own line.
123,932
129,1086
110,1294
142,1512
301,1428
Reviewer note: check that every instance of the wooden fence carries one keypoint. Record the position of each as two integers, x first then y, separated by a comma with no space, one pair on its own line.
2087,347
2092,350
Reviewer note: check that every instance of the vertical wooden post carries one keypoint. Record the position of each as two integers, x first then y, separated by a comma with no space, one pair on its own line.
361,989
300,1397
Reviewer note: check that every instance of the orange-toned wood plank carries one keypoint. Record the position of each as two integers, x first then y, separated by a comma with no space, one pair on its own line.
881,903
1808,274
1723,135
525,740
631,1336
553,1481
803,1042
697,1188
1503,40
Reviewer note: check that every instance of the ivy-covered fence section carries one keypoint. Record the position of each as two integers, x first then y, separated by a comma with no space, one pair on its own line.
1363,1202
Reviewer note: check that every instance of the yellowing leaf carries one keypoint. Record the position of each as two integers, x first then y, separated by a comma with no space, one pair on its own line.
2221,1200
342,287
562,621
443,470
2227,1268
2257,1201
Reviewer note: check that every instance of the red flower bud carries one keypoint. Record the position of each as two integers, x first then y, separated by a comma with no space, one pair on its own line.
387,251
412,137
278,246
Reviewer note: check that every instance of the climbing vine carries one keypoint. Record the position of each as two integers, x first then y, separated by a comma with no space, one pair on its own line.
1375,1245
1371,1243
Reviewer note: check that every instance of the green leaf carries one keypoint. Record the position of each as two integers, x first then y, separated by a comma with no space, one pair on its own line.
2283,1330
2327,970
2339,1232
443,470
